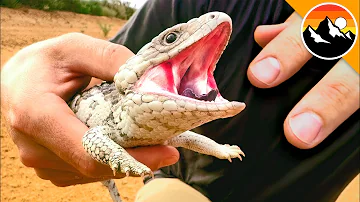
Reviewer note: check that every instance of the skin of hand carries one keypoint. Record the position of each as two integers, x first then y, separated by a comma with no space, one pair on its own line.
35,86
328,104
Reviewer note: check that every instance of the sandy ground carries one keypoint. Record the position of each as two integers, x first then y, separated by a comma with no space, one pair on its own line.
23,27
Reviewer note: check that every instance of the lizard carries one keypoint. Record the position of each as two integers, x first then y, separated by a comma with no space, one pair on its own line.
158,96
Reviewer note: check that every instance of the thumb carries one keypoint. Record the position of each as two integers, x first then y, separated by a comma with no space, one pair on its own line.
87,55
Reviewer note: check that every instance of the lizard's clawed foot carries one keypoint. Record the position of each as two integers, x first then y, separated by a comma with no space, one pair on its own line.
129,166
151,174
230,151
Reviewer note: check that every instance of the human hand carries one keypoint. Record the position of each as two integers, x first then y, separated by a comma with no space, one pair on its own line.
328,104
36,84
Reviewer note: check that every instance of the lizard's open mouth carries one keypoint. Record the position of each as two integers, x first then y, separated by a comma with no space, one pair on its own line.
189,74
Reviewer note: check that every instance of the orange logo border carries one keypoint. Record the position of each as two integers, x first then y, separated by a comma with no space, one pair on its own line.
302,25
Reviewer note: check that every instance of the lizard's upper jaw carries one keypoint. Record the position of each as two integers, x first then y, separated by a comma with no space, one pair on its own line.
188,76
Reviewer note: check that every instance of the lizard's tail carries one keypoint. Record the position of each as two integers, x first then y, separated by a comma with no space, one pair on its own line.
114,193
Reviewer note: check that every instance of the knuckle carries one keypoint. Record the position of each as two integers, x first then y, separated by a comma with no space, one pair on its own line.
71,38
68,38
112,52
72,35
53,53
337,93
16,119
55,49
295,42
27,159
108,52
18,125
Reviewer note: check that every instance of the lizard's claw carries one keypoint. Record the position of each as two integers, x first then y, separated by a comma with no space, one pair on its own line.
230,151
148,174
114,168
128,165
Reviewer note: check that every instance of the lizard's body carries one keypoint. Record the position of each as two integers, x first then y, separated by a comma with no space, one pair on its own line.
158,95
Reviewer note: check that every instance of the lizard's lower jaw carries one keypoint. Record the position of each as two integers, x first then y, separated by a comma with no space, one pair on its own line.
189,75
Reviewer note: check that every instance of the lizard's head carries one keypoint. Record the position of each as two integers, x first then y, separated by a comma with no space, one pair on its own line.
174,72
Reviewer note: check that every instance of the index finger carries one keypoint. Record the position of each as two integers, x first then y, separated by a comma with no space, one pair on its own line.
281,58
328,104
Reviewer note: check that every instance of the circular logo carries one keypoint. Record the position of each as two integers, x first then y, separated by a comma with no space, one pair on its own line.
329,31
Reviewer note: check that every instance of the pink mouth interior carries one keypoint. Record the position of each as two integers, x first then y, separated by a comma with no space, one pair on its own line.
190,73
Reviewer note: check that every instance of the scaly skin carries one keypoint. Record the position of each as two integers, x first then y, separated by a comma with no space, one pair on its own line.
141,107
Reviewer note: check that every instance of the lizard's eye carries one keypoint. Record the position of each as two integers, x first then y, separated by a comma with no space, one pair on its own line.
171,37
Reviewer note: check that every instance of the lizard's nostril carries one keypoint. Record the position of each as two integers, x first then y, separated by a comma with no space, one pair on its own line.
212,16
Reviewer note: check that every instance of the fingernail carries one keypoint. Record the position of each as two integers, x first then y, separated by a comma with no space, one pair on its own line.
306,126
168,161
266,70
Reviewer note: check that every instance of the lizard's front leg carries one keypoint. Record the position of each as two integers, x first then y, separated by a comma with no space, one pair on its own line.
98,142
205,145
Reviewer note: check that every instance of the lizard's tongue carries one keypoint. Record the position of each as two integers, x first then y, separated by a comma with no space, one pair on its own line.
190,73
210,96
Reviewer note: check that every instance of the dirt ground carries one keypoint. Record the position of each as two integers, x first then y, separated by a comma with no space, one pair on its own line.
23,27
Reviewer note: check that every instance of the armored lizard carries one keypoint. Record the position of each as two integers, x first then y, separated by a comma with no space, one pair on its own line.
157,96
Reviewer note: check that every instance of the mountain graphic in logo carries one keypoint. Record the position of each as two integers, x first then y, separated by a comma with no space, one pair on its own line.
329,31
327,40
